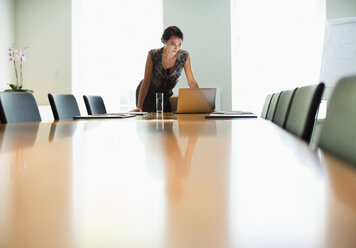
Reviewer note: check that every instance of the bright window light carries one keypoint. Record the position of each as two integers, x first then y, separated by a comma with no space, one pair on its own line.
111,39
276,45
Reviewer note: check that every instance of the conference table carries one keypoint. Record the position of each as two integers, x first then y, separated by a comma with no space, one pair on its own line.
170,181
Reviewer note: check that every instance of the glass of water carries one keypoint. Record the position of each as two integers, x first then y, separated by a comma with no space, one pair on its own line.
159,103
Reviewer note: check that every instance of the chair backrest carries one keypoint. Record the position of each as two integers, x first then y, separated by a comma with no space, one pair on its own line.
338,131
64,106
18,107
266,106
301,117
94,104
283,107
272,106
173,100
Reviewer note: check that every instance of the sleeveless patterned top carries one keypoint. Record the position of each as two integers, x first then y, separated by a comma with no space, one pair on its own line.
164,80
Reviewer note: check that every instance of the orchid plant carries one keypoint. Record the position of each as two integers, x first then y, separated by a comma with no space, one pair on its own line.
18,57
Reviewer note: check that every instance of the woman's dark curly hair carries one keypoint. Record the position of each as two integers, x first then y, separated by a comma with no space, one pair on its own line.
171,31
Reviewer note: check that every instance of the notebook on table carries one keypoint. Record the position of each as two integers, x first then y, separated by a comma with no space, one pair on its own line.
136,113
104,116
196,100
231,114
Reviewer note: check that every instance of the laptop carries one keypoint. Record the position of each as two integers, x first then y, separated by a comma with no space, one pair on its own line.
196,100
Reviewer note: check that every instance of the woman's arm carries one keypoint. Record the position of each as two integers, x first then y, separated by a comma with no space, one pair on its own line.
145,84
189,73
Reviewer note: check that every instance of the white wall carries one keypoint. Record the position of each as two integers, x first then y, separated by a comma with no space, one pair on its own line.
340,8
45,27
206,28
7,37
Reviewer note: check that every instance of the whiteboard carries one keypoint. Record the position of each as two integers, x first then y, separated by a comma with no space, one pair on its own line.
339,51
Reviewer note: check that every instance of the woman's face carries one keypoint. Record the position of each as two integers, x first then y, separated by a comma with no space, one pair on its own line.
173,44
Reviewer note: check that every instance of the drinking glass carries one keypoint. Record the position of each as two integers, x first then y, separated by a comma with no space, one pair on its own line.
159,103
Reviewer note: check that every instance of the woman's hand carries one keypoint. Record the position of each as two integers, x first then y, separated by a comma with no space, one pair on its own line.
136,110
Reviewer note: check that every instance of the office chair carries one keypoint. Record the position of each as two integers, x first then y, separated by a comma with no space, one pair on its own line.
301,117
94,105
266,106
338,131
18,107
64,106
283,107
272,106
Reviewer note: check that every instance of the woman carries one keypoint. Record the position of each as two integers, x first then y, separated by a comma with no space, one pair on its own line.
163,68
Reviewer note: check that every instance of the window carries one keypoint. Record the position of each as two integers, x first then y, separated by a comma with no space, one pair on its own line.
276,45
111,40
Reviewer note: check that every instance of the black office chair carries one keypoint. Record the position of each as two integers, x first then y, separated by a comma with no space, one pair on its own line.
18,107
94,104
266,106
305,104
338,131
272,106
64,106
283,107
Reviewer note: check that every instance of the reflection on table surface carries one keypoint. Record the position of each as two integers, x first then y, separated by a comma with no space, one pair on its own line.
170,181
61,129
17,135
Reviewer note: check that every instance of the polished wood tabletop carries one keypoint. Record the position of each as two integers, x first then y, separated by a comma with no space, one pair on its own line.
170,181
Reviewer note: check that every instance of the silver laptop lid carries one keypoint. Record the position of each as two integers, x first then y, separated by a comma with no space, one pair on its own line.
196,100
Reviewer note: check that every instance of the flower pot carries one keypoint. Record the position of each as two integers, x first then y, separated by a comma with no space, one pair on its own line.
18,90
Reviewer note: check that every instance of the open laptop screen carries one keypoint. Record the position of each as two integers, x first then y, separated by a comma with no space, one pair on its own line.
196,100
